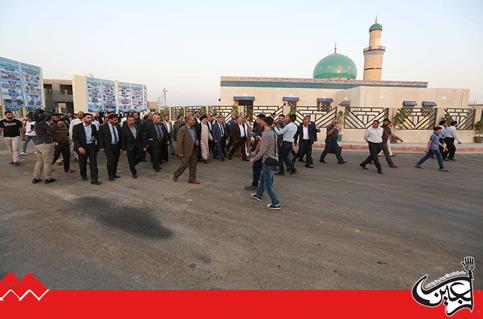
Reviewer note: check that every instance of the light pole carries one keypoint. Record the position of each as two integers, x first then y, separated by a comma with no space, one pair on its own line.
164,95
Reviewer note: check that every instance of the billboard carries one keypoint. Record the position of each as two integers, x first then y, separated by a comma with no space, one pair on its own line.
20,85
113,96
100,95
132,97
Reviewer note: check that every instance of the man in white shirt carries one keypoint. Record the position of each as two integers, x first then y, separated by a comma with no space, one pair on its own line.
373,137
169,128
449,138
96,122
442,135
29,134
288,132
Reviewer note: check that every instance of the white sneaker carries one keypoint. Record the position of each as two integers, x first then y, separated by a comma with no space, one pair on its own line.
23,153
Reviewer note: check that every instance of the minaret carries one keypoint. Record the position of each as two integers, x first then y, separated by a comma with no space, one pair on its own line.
373,54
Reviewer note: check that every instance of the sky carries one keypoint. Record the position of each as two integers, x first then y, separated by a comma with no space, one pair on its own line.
185,46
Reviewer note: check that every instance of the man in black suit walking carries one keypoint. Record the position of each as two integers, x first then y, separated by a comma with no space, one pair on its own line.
239,136
110,140
155,139
132,144
306,136
84,136
219,135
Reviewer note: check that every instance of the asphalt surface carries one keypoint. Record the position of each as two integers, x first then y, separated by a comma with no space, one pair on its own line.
340,227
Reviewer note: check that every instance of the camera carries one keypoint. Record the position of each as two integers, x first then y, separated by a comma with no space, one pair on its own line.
41,115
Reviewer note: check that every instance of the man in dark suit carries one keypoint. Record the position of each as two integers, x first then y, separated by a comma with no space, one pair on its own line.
186,147
84,136
229,127
239,135
132,144
331,145
219,135
110,139
156,141
306,136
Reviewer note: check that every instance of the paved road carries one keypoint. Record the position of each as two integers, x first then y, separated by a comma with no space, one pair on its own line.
340,227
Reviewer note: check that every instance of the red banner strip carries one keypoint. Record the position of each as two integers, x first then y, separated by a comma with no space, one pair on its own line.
228,304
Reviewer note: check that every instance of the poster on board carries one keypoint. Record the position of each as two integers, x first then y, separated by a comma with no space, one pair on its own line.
100,95
20,85
124,96
132,97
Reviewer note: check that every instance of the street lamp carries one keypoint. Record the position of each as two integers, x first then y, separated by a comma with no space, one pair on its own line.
164,95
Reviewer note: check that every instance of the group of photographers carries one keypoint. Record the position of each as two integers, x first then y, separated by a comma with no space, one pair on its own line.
50,136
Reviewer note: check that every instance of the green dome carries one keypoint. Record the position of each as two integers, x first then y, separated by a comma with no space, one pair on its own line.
335,66
375,26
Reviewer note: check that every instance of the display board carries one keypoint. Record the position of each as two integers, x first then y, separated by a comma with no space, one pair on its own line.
100,95
132,97
113,96
21,85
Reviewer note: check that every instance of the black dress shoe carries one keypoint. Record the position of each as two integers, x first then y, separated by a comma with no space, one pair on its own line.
342,163
36,180
111,178
50,180
95,182
157,170
85,178
309,166
379,172
135,176
245,159
293,171
322,161
363,166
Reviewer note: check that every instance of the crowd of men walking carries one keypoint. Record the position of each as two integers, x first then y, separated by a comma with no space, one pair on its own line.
268,142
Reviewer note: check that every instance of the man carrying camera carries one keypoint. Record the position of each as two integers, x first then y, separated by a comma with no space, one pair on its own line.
44,148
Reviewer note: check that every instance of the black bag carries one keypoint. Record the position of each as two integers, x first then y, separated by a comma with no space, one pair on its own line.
270,161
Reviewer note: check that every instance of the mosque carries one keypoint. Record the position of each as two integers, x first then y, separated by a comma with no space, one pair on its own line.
335,80
334,89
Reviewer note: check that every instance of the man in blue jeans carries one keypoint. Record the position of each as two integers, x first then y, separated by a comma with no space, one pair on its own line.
267,151
433,149
288,132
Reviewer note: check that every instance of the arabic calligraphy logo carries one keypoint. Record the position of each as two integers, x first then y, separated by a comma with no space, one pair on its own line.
454,290
29,284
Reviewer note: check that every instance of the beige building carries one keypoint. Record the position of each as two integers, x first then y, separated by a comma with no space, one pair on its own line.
334,91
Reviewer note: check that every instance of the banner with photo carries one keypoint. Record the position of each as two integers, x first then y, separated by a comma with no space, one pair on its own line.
20,85
132,97
100,95
124,96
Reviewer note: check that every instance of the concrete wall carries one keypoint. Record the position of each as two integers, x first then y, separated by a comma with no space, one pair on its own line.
358,96
79,92
394,97
274,96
